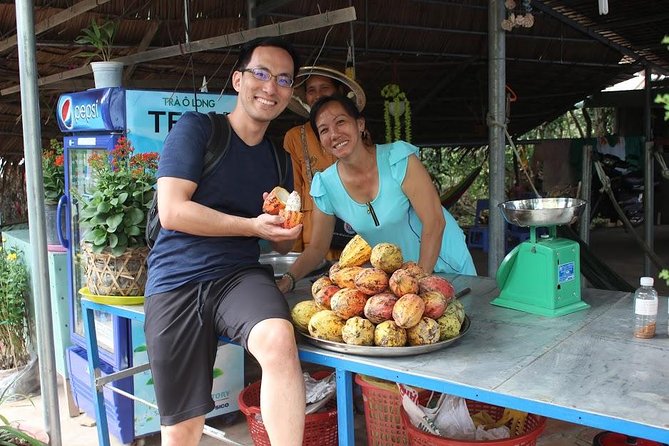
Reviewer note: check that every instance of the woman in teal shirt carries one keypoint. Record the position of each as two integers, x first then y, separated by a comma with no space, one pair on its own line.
383,191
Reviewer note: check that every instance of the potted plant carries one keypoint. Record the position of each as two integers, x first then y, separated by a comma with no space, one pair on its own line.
106,72
53,173
396,105
114,219
14,326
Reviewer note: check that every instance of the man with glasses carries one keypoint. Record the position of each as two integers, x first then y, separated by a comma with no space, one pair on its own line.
204,276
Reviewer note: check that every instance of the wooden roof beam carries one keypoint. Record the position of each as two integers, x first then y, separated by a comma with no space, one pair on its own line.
56,19
329,18
143,46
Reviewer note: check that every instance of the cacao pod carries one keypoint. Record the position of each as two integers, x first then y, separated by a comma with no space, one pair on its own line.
319,283
302,312
401,283
348,302
389,334
414,269
371,281
325,324
387,257
275,200
345,276
358,331
425,332
355,253
435,304
379,307
456,307
436,283
449,326
408,310
324,295
290,218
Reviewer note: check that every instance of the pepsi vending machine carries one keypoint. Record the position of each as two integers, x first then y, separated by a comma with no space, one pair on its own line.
92,121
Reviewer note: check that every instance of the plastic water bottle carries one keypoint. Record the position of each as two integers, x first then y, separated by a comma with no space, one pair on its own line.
645,309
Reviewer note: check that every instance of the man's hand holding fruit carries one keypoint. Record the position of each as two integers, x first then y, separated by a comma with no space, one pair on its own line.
282,218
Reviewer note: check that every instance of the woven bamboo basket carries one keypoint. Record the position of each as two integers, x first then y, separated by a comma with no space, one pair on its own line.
110,275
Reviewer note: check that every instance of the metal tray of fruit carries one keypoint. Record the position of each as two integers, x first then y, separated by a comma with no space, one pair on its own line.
364,350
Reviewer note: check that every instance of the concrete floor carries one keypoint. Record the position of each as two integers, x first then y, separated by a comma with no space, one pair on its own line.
616,248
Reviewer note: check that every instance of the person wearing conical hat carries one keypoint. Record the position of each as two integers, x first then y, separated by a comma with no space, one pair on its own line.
308,157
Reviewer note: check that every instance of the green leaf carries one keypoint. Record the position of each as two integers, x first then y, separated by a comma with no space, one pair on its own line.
136,216
103,207
113,222
133,230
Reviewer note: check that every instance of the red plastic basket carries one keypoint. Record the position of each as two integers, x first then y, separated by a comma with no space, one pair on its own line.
382,404
534,426
320,428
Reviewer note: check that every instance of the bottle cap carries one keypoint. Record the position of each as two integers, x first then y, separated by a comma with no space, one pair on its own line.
646,281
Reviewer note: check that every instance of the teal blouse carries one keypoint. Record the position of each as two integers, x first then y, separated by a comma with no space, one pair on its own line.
396,221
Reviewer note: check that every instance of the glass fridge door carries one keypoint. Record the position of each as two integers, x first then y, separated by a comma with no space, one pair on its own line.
111,331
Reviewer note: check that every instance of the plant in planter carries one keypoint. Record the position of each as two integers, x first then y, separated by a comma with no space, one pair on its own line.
395,106
53,172
101,37
114,217
107,73
14,326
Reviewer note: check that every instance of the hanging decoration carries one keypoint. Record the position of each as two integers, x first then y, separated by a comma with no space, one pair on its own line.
395,106
518,14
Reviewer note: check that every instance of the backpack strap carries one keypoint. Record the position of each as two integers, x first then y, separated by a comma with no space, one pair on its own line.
218,143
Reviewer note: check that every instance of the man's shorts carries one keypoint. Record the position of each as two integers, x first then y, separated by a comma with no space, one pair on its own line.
182,328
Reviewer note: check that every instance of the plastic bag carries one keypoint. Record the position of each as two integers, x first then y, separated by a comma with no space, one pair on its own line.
318,391
453,419
449,418
417,413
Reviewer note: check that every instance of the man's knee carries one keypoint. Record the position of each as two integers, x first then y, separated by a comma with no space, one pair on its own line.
273,340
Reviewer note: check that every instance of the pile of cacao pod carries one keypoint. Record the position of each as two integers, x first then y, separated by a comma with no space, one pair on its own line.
372,297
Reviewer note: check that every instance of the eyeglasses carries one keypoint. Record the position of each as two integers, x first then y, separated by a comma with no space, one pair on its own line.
263,74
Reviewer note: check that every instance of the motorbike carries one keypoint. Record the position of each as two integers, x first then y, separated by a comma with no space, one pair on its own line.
627,186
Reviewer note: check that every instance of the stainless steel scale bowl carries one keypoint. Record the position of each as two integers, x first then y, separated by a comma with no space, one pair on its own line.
542,211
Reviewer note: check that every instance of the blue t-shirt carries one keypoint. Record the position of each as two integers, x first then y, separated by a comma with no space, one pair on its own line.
398,223
234,187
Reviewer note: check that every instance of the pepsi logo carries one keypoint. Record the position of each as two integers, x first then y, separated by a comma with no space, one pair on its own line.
65,112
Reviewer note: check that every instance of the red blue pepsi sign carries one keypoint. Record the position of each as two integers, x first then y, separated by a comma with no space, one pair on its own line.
92,110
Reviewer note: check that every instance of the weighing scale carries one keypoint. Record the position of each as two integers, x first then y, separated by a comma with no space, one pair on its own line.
543,274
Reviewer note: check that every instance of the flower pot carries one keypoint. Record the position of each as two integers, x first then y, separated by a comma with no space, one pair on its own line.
107,74
110,275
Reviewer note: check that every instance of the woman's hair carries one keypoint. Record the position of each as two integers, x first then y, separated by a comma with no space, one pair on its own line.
349,107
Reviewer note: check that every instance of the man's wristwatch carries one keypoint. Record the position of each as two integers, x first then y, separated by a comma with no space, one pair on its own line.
291,279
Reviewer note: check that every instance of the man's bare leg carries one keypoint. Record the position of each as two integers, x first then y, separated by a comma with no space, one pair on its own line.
282,400
186,433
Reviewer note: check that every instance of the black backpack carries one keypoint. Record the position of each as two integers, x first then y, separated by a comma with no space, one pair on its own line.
217,147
